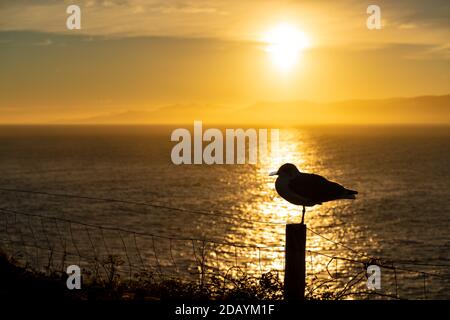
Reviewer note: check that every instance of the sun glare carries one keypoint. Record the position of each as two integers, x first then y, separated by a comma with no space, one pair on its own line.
285,43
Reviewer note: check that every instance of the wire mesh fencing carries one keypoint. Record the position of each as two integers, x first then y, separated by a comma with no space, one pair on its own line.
50,244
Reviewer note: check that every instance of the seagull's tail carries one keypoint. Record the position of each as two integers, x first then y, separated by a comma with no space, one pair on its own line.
350,194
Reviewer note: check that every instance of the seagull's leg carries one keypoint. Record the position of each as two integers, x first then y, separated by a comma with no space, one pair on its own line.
303,214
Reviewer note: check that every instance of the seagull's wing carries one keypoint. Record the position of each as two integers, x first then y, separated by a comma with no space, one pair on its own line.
316,188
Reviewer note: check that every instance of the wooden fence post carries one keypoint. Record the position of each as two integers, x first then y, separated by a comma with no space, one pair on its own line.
295,271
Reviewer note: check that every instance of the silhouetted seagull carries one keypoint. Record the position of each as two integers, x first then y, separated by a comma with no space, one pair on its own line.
306,189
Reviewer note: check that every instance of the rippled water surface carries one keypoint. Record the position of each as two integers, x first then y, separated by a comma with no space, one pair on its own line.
402,212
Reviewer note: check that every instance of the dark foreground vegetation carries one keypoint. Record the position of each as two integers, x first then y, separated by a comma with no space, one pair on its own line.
22,282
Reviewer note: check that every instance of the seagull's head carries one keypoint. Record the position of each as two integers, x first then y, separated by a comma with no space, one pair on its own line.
286,170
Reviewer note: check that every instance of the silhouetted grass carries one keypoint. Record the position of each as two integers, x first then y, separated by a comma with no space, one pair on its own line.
23,282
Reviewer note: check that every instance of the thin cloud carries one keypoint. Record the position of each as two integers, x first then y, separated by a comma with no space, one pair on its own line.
328,22
46,42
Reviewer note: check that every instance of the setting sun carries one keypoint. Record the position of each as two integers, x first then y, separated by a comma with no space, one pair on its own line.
285,42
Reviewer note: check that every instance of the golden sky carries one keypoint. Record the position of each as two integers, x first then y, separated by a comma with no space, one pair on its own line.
143,55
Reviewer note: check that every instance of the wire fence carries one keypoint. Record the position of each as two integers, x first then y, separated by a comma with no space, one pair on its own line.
49,243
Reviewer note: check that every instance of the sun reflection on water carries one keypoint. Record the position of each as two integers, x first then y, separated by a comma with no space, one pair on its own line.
296,147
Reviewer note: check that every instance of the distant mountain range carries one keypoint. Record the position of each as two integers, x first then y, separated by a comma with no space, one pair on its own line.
423,109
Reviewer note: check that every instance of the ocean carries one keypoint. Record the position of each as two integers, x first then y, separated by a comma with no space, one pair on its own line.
113,190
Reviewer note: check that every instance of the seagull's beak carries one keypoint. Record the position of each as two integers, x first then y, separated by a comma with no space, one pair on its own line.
274,173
